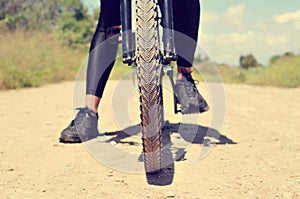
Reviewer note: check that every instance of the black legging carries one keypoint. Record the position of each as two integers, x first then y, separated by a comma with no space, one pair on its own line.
102,54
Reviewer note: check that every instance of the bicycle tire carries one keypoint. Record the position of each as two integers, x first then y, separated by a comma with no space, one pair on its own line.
149,83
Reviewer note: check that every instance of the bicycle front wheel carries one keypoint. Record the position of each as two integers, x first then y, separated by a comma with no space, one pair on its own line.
149,78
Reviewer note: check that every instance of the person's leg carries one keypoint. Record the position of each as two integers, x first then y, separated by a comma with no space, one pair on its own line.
186,25
102,56
103,52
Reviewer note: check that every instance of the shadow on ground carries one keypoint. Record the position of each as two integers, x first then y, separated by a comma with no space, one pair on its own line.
172,149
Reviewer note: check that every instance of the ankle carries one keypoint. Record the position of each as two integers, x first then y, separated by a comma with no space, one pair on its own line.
92,102
179,76
182,71
92,109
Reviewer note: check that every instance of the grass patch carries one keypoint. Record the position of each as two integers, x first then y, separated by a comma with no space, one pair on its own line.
282,72
31,59
119,68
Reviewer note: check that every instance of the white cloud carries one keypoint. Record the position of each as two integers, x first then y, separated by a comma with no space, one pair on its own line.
235,14
287,17
209,18
273,36
292,19
232,17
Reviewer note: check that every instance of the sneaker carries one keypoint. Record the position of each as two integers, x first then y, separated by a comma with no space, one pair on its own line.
82,128
188,96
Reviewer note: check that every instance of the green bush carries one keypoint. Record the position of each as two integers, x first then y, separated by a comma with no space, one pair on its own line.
283,71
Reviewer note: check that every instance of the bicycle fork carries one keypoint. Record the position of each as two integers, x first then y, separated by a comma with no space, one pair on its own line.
128,42
128,38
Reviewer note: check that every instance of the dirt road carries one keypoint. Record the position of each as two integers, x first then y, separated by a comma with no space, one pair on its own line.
264,162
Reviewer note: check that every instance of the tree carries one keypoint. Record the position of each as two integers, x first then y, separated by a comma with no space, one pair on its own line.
248,61
68,18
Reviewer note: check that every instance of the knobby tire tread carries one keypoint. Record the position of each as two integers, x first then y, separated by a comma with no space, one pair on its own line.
149,81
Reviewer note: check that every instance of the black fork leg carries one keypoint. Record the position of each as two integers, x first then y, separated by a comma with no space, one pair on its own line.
168,31
127,38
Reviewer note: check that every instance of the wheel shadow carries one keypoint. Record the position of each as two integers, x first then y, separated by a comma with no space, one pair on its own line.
175,139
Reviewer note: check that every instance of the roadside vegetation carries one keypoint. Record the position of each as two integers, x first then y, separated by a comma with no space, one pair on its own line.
33,59
282,71
46,42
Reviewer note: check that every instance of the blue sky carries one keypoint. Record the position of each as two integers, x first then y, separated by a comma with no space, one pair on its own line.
230,28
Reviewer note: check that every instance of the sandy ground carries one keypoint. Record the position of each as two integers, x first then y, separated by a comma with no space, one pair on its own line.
264,162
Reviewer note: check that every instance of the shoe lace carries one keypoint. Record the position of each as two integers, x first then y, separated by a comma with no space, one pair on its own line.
194,90
84,115
190,83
